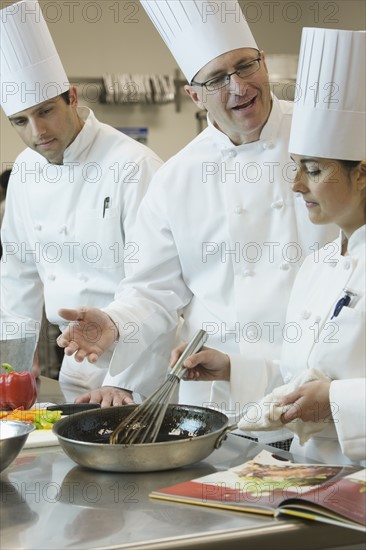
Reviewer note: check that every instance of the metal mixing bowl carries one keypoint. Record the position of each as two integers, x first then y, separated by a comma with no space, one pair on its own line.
13,435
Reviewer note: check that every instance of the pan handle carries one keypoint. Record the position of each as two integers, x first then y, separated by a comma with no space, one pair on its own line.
71,408
219,441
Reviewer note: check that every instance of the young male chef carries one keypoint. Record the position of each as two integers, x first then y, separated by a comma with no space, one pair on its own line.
72,197
220,234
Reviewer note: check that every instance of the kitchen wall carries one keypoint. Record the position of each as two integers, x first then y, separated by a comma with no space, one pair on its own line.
94,37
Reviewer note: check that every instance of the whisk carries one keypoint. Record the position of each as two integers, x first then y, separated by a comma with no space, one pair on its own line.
143,424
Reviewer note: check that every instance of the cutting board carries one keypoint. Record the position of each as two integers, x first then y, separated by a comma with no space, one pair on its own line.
41,438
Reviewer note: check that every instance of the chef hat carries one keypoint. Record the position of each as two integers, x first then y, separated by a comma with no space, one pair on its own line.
197,31
30,69
329,113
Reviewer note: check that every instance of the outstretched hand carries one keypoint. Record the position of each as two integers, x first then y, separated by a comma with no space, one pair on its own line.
207,364
90,333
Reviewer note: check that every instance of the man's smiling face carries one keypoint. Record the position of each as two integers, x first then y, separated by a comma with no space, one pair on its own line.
241,108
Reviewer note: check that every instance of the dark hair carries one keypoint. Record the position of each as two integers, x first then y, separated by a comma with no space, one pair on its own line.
4,178
349,164
66,97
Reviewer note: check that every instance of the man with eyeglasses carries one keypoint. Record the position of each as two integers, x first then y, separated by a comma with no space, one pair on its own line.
220,235
238,106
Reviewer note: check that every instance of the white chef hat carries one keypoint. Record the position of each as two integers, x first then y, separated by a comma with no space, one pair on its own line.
197,31
329,118
30,69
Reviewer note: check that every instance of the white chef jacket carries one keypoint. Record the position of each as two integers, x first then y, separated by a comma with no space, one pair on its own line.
335,346
67,232
221,237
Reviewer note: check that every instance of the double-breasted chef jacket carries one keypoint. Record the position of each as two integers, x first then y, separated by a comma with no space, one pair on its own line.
333,344
221,237
67,232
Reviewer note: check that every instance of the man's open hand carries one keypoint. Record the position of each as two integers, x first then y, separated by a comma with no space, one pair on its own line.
90,333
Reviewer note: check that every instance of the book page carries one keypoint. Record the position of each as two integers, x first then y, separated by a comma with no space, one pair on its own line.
262,483
346,496
266,473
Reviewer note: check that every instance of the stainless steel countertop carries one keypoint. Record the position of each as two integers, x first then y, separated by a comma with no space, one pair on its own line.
48,502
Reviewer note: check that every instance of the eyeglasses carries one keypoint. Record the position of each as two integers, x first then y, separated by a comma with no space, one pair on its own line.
223,80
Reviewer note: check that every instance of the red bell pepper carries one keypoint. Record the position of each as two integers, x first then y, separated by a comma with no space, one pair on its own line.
17,389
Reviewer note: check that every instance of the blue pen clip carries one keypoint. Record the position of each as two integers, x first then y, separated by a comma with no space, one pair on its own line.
343,302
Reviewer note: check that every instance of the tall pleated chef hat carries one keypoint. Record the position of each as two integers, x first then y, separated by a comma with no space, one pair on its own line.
329,118
197,31
30,69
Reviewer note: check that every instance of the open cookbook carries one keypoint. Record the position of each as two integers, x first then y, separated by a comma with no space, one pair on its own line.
270,485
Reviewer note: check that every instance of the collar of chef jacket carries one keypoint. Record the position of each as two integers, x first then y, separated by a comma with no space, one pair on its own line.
83,140
269,132
357,240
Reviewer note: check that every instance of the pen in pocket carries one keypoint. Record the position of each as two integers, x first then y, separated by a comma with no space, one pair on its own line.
343,302
106,205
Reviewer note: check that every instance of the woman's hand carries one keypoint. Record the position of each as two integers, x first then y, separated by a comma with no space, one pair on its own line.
309,402
207,364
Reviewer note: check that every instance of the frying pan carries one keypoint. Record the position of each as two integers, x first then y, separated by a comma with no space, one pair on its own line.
188,434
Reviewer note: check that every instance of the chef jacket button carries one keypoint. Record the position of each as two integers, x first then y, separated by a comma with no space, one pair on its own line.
277,204
231,153
251,334
317,319
287,378
305,315
82,277
285,266
238,210
332,264
248,273
268,145
38,227
298,195
347,264
51,277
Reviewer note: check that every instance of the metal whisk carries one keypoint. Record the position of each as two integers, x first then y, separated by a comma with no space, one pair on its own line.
143,424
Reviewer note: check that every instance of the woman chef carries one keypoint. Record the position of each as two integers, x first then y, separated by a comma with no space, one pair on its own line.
326,312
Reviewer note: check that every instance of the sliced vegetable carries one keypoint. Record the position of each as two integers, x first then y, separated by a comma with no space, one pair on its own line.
43,419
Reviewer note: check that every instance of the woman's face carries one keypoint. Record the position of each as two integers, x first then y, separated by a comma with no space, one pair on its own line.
332,193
